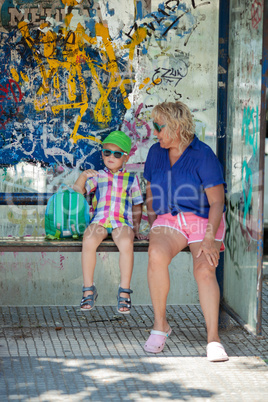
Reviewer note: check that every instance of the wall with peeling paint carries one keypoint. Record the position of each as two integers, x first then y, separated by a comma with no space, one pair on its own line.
71,72
242,164
56,279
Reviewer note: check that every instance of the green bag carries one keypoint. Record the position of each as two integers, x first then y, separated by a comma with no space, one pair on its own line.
67,214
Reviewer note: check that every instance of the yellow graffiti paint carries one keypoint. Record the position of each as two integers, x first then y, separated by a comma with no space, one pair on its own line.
23,27
74,136
71,85
14,74
68,19
74,56
83,107
24,77
49,41
70,3
57,91
103,32
144,82
137,38
22,222
152,84
34,221
155,82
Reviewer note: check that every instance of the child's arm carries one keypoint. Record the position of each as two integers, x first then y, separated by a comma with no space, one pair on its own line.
79,185
136,214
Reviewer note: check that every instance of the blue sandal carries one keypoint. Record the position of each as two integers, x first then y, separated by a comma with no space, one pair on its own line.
90,299
126,301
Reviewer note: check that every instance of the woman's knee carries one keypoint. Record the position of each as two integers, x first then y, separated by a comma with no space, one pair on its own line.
203,272
158,256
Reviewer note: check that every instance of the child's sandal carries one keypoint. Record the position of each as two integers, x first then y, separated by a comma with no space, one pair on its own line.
123,302
90,299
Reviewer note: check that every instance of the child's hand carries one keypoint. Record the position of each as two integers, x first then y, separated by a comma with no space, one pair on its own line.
141,236
90,173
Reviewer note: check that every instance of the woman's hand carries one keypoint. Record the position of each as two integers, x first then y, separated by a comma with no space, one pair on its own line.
210,251
216,201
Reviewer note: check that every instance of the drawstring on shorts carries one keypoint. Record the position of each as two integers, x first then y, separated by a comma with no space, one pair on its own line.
180,218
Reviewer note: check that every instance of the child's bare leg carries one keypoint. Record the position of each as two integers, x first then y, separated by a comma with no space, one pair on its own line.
93,236
123,238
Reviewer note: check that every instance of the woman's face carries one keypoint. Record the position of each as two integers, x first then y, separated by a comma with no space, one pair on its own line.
163,136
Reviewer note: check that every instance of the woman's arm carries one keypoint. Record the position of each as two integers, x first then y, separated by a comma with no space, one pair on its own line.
215,197
149,204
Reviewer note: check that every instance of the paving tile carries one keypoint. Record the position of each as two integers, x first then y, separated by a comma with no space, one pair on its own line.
60,353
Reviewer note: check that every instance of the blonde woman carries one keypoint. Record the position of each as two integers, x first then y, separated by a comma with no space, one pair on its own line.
185,202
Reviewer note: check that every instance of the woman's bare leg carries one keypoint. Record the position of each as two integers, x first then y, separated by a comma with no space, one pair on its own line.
164,244
208,289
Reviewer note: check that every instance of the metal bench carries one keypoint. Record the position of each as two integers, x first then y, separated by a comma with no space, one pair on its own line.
40,244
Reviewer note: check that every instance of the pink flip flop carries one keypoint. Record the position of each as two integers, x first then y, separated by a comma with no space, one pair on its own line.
156,341
216,352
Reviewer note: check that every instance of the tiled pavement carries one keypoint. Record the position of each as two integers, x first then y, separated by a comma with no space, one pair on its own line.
62,354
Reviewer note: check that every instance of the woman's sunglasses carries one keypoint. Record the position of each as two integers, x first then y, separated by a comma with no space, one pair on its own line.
157,127
117,154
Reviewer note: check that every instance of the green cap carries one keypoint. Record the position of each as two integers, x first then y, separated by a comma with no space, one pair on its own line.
120,139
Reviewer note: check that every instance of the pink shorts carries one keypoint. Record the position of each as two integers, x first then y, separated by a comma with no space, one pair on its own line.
191,226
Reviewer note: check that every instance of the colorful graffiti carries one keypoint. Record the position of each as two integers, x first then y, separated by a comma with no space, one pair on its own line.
70,72
256,13
242,261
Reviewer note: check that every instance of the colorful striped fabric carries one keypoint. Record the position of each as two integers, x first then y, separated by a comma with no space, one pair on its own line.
114,196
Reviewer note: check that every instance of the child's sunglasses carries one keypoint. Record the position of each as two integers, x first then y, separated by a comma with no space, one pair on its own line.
117,154
157,127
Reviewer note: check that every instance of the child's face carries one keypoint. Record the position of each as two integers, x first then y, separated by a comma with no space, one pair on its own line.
111,162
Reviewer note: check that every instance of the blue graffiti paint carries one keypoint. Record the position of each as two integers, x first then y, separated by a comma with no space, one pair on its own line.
139,13
24,130
178,17
30,134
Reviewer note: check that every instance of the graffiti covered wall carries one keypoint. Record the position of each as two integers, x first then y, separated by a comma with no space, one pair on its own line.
242,165
71,71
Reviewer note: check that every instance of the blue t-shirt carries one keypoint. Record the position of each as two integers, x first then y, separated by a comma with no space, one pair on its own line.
181,187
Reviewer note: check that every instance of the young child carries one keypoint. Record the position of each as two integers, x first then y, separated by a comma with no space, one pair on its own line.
117,205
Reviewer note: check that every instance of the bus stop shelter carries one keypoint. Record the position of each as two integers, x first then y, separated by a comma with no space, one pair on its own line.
73,71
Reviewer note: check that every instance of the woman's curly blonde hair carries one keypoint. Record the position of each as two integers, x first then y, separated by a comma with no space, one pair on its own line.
176,115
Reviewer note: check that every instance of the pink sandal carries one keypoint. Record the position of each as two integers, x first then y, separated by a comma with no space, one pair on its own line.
156,341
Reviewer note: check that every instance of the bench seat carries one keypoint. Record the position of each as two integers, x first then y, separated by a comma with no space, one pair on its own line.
40,244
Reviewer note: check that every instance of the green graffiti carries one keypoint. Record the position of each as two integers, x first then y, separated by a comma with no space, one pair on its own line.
35,221
246,194
250,127
4,173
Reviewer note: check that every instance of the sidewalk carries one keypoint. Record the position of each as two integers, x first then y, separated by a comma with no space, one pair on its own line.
62,354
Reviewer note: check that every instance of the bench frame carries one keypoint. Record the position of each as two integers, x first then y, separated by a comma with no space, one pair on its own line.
40,244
